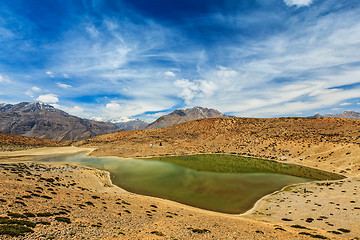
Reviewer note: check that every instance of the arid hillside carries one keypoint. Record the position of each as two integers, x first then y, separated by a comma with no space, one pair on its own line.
330,143
10,142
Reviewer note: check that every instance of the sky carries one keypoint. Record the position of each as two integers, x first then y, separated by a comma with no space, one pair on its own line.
143,59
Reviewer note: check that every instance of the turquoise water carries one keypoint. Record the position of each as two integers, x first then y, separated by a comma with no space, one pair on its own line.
221,192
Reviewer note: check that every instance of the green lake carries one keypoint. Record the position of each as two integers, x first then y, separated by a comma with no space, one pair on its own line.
222,183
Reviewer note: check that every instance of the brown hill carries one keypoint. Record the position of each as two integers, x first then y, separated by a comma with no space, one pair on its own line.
10,142
185,115
44,121
329,143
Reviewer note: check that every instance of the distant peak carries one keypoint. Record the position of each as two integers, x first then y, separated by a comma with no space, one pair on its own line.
184,115
346,114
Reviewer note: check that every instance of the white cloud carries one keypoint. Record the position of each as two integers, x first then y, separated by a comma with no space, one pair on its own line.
4,79
313,58
131,108
298,3
323,92
196,88
113,106
66,75
51,74
48,98
336,109
345,104
169,74
63,85
225,73
358,103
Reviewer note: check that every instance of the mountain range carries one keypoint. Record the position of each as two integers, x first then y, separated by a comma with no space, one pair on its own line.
185,115
41,120
346,114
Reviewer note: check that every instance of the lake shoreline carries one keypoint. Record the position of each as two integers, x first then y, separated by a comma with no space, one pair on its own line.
206,215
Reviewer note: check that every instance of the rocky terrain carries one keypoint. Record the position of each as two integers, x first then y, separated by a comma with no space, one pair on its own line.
44,121
131,125
346,114
181,115
333,206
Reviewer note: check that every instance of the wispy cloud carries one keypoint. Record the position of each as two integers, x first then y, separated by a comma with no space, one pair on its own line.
63,85
298,3
4,79
263,59
32,91
35,89
345,104
76,110
51,74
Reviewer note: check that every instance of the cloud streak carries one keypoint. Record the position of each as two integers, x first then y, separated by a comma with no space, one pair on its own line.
255,59
298,3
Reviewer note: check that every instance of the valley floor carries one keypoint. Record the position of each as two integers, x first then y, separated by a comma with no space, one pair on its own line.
75,202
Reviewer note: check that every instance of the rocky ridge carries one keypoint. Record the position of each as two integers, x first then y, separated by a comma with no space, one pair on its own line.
41,120
185,115
346,114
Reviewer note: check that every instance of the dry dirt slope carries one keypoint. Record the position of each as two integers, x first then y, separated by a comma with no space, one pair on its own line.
327,143
10,142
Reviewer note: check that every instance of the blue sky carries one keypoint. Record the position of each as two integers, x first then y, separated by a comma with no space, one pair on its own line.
142,59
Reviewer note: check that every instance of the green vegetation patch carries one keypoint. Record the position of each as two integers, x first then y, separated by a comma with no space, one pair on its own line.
235,164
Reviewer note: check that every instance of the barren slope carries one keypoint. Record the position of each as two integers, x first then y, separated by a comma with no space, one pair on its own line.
10,142
329,143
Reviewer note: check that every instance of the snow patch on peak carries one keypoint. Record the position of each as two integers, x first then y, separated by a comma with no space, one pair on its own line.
99,119
121,120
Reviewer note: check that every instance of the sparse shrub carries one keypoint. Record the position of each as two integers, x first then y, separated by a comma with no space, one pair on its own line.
196,230
63,219
29,214
17,215
157,233
14,230
45,214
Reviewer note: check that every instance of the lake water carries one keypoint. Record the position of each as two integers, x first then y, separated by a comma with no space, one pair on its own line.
221,192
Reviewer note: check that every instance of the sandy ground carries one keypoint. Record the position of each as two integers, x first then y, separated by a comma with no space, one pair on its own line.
39,153
99,210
